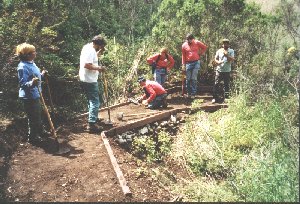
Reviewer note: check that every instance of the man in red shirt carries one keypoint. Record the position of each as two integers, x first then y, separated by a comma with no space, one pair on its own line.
191,51
161,63
155,95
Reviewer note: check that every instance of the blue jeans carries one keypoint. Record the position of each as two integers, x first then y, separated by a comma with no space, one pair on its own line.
157,102
92,93
160,75
33,111
192,70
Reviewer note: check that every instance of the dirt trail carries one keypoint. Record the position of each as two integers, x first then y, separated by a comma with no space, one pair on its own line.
86,175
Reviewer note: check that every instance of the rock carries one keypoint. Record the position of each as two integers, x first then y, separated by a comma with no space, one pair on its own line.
120,141
144,131
173,119
164,123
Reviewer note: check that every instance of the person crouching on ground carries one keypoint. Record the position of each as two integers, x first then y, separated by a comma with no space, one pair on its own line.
29,76
161,64
155,95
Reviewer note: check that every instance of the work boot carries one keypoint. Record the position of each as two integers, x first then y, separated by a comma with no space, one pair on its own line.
94,128
36,140
45,134
192,97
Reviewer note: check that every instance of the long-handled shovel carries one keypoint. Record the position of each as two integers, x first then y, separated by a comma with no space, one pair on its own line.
106,96
49,93
59,149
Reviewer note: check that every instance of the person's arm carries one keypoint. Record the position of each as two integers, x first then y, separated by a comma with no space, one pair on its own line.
24,80
152,59
217,58
91,66
230,56
152,93
171,62
202,47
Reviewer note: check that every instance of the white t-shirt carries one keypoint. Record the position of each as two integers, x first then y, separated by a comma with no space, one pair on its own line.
88,55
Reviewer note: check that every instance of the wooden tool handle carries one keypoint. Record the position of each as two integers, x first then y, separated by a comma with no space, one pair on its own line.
47,113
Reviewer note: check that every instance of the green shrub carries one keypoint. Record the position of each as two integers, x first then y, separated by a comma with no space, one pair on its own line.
269,174
152,148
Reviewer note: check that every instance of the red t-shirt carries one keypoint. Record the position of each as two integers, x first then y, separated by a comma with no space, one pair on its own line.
192,52
163,62
154,89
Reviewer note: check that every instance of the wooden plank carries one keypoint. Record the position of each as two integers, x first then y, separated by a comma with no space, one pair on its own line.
118,171
144,121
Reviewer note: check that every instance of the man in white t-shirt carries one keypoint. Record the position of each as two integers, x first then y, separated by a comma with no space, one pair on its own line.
88,75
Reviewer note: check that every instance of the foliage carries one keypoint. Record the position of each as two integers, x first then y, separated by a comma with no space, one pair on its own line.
269,174
256,137
202,190
152,148
246,142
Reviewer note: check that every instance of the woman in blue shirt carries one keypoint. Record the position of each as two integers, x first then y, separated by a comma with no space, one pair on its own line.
29,79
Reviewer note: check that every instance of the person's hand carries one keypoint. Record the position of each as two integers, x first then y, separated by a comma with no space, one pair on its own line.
44,73
214,63
225,53
101,68
183,68
139,99
35,81
145,102
100,51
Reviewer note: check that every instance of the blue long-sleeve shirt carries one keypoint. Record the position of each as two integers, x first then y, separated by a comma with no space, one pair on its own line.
26,72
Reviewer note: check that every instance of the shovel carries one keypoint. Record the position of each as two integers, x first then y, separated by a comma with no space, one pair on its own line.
49,93
59,149
106,96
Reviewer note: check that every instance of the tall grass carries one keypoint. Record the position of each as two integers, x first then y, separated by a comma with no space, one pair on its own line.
251,149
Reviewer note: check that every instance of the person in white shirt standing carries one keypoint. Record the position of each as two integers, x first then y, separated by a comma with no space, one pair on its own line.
88,75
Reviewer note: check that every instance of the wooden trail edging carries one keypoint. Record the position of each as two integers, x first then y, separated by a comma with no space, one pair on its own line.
139,123
116,167
144,121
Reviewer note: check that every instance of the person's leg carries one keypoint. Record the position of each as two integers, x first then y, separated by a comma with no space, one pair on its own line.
216,85
157,102
194,78
33,111
163,75
92,94
157,76
226,78
189,71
